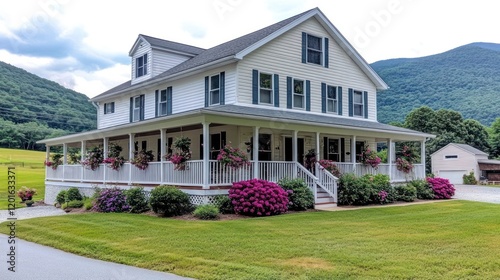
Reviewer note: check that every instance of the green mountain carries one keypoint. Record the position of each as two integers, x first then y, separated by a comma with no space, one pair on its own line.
26,98
465,79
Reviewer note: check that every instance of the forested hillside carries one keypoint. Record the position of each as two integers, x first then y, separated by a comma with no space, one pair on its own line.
33,108
465,79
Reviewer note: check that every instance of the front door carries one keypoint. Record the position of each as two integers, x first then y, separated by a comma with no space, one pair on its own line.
289,149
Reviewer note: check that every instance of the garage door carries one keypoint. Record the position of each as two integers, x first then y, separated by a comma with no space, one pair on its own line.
455,177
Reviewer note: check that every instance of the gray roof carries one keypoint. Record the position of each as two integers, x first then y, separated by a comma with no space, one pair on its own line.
165,44
218,52
281,115
488,161
470,149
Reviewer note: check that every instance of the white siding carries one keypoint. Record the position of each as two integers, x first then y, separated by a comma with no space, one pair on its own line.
187,94
144,48
162,61
283,56
465,162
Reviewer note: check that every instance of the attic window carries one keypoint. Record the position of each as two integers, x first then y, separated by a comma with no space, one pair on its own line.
314,49
141,66
450,156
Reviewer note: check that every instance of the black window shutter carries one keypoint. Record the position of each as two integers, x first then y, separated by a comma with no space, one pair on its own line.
201,146
142,108
112,107
289,92
222,88
350,102
365,105
323,97
339,96
156,103
105,105
325,147
276,90
255,86
304,47
222,139
206,91
342,149
131,115
326,53
169,101
308,95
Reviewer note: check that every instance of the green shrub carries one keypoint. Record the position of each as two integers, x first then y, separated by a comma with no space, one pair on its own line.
75,204
406,193
424,190
381,190
470,179
74,194
224,204
87,203
300,196
137,200
206,212
61,197
169,201
353,190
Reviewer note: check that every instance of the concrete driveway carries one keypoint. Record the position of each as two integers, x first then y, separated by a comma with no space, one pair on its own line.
477,193
34,261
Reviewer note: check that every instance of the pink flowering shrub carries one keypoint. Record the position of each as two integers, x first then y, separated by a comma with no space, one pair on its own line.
442,188
258,197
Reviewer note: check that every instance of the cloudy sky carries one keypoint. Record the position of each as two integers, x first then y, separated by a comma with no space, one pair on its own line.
84,45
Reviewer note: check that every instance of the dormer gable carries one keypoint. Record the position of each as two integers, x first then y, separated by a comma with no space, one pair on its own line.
152,56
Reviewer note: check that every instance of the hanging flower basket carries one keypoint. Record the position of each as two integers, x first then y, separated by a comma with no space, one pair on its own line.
310,160
404,162
142,158
232,157
114,160
55,162
369,157
330,166
182,153
93,159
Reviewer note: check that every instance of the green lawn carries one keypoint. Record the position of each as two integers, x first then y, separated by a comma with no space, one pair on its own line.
29,169
445,240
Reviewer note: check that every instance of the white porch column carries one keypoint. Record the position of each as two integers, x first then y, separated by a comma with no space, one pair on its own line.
47,158
255,151
422,158
131,140
65,158
206,155
390,152
353,152
83,151
163,131
105,141
317,146
294,146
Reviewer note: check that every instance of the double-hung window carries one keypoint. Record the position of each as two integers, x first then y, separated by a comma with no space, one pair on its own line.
215,89
314,49
332,100
136,108
266,86
109,108
162,103
358,104
141,66
298,94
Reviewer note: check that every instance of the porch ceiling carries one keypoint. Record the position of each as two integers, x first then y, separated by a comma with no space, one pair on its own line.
249,116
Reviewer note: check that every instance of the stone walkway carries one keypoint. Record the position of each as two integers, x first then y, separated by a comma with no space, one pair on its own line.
32,212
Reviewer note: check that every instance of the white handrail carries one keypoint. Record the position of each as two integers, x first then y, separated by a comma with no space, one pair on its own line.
327,181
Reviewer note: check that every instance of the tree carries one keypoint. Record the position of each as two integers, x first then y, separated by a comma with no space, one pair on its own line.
494,139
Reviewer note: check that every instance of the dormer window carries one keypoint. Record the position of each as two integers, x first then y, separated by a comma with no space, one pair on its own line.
141,67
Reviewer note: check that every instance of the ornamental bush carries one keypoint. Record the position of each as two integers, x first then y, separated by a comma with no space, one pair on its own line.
224,204
442,188
137,200
75,204
111,200
169,201
61,197
73,194
353,190
381,190
424,190
406,193
206,212
470,179
258,197
300,196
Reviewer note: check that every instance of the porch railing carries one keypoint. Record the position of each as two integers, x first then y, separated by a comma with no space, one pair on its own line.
327,181
192,175
277,170
224,175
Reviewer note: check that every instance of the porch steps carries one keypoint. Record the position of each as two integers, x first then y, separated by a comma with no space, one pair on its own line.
324,200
